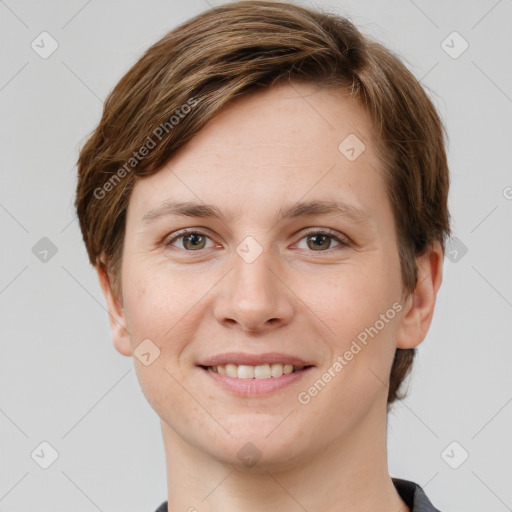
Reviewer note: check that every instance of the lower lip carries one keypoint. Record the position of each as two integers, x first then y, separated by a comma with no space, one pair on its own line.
256,387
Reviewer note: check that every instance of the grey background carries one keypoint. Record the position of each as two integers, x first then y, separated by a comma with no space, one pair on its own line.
61,380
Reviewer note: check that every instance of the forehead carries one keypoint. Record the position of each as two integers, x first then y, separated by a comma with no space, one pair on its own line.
286,116
279,145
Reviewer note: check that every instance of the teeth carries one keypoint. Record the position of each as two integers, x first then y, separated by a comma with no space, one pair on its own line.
262,371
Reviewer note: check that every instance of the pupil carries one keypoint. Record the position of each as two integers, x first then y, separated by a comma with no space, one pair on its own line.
194,238
323,237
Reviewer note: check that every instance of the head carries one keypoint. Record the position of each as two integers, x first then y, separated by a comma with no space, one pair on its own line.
231,110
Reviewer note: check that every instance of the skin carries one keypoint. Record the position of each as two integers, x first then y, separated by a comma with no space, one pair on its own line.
263,152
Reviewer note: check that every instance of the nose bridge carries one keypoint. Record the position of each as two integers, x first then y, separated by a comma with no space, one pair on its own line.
254,281
253,296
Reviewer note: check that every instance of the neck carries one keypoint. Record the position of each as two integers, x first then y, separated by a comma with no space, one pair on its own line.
349,474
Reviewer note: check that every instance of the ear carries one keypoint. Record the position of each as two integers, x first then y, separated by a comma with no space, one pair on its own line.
419,306
120,334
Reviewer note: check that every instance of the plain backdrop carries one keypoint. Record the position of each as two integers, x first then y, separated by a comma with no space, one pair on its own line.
61,380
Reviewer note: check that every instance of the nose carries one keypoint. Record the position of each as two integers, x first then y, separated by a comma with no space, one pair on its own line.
254,296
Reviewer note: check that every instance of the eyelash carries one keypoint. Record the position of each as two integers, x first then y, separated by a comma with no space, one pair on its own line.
343,241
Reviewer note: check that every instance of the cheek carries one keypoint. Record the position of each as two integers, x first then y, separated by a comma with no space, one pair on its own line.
351,300
160,309
151,293
165,306
359,318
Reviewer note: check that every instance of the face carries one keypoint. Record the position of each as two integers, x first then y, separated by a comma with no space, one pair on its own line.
267,282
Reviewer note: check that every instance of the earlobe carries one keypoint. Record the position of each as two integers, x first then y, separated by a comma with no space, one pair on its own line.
419,306
117,320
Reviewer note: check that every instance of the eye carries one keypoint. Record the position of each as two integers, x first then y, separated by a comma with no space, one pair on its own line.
320,241
191,240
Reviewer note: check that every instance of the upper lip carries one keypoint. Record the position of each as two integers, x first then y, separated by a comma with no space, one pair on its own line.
239,358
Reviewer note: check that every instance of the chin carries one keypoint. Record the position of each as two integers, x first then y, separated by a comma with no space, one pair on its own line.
263,447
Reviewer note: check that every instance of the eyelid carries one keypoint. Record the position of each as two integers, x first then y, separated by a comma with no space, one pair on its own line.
342,239
186,231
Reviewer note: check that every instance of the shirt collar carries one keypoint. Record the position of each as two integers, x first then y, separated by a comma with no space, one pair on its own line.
413,495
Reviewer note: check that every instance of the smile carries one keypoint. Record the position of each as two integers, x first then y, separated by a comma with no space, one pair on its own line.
254,381
261,371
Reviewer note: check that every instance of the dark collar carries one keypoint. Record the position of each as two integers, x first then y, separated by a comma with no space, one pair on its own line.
413,495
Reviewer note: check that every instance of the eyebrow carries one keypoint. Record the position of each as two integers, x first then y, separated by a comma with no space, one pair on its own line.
300,209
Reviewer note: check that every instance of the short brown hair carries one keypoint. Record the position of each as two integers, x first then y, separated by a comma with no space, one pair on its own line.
240,47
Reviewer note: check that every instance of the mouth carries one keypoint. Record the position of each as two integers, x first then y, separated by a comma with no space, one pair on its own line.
260,371
254,375
248,381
